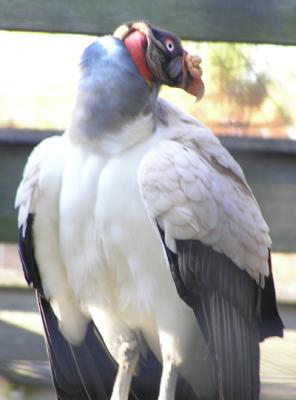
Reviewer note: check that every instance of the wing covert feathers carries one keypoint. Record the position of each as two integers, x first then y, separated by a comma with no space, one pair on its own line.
194,199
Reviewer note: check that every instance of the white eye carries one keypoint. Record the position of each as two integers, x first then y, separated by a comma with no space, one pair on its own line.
170,45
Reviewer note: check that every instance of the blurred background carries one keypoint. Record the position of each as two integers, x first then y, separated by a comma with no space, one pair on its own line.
250,89
249,102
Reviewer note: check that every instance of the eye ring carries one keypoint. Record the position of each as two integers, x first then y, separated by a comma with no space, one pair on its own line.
170,45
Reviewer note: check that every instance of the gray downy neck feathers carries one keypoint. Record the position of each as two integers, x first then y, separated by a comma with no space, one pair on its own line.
111,91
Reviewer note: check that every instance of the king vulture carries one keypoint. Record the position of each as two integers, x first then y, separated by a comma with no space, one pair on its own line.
147,249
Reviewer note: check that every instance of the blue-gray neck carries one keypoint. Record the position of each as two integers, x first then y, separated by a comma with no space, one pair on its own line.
111,91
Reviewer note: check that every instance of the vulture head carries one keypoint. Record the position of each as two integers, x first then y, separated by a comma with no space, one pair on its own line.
160,57
121,75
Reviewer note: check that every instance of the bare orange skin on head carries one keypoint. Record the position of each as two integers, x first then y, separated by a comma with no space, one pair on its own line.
136,43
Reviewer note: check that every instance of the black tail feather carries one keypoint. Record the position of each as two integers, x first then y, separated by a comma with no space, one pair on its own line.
224,300
75,370
271,323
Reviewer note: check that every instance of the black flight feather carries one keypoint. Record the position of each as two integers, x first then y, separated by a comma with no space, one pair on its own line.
271,323
233,312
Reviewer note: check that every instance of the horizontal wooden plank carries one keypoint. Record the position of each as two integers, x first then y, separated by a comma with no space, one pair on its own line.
31,137
23,137
273,180
258,145
263,21
271,174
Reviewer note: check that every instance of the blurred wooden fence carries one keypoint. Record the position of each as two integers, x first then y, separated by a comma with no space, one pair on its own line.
260,21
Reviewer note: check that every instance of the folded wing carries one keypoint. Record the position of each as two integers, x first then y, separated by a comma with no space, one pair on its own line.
217,244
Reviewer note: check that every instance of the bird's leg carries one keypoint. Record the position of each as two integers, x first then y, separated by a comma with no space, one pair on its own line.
170,361
127,358
123,346
168,381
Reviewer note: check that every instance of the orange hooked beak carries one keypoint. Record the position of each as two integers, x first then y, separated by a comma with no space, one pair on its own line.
192,74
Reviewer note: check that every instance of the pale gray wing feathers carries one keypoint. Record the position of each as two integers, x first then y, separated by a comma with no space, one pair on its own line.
195,189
